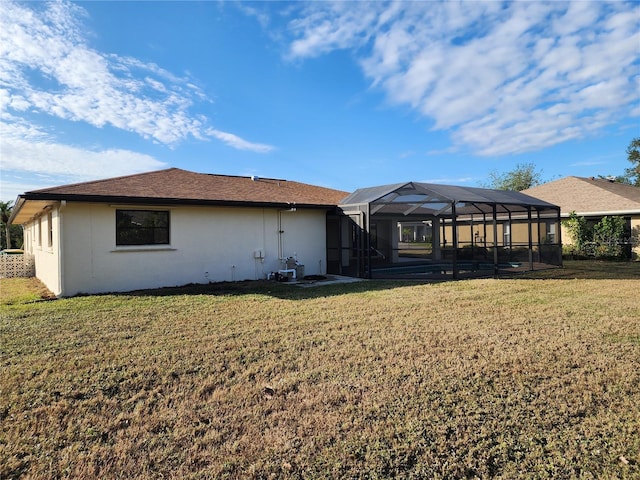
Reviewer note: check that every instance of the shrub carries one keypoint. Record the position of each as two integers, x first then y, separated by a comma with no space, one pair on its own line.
603,241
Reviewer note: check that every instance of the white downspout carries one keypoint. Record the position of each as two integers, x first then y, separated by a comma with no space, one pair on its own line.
63,204
280,239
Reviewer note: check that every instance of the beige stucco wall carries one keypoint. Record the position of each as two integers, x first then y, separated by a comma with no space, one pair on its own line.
635,234
519,233
206,244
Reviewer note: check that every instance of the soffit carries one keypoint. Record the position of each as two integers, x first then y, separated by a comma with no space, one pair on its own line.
29,209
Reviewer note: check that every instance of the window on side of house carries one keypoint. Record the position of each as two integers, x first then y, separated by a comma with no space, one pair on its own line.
39,231
507,234
50,229
142,227
551,232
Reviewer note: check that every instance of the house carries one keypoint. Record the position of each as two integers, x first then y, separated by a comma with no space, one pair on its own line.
593,198
172,227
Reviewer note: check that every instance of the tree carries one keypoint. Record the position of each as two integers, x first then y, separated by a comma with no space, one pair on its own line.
520,178
5,213
633,155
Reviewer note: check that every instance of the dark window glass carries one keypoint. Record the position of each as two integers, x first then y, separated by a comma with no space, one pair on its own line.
142,227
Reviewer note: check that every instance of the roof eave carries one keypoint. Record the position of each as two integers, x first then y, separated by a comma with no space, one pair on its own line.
17,206
25,210
603,213
128,200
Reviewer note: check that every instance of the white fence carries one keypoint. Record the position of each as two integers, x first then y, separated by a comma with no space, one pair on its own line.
17,266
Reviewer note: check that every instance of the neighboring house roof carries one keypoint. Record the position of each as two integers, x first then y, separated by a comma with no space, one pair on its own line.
176,186
589,196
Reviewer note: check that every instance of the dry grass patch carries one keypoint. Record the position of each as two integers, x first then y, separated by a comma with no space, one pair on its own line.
518,378
22,290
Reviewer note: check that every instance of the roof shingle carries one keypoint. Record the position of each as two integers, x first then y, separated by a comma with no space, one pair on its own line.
588,195
177,185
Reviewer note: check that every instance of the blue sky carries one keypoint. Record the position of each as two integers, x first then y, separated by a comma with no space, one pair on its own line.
343,95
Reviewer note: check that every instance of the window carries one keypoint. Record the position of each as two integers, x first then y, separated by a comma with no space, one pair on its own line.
50,229
39,231
142,227
551,232
507,234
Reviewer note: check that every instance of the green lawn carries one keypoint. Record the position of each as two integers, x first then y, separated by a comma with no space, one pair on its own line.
533,376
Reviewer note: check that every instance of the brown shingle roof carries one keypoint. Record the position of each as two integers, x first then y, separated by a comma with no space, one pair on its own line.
181,186
588,195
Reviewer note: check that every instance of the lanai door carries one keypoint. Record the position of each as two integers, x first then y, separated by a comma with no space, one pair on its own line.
381,241
353,242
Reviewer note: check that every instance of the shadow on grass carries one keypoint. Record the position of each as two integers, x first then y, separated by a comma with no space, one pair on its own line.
272,288
577,269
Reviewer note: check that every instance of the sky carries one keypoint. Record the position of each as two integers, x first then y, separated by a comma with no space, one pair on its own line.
339,94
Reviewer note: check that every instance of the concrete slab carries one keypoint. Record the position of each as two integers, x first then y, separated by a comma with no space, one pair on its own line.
328,280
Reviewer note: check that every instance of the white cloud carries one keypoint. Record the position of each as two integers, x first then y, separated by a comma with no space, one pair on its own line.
32,159
406,154
441,151
239,143
586,164
451,180
333,26
262,17
77,164
502,78
47,67
9,190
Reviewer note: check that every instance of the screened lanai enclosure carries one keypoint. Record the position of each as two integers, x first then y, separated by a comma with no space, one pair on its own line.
421,230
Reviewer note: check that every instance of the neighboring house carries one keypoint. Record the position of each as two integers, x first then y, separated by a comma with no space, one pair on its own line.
593,198
172,227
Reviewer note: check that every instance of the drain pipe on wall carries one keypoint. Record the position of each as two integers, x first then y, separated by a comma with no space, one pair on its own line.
281,256
63,203
280,232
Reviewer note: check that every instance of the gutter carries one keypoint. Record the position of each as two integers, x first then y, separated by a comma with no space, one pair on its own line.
603,213
119,199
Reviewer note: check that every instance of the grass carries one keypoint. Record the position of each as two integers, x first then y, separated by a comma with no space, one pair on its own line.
527,377
22,290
